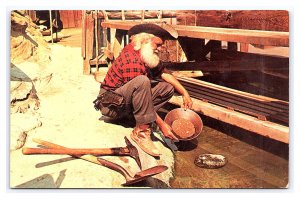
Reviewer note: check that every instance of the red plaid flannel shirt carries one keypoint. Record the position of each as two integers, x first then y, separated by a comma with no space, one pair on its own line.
126,67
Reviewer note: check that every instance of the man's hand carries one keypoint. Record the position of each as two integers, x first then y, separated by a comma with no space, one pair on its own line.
167,131
187,101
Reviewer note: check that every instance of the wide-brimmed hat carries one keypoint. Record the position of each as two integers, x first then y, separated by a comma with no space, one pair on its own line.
162,30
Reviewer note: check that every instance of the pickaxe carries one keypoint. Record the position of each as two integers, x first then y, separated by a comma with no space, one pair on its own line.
139,176
86,154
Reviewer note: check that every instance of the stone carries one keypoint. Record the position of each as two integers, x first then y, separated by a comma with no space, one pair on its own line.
20,126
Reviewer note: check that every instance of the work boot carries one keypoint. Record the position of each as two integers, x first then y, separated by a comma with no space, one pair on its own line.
142,136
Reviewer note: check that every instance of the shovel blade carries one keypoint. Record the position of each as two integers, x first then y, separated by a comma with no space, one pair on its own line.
142,175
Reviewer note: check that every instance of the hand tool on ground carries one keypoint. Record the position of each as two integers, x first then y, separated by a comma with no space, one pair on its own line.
139,176
86,154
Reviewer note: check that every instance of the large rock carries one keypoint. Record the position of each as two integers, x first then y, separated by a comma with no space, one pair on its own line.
30,56
23,94
21,125
27,42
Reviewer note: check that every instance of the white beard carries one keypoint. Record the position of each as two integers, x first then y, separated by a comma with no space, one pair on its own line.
149,57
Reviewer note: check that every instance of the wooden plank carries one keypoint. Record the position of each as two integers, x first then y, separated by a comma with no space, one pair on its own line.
244,47
271,20
83,33
186,17
187,73
268,38
94,61
264,128
78,18
64,18
281,74
71,19
32,14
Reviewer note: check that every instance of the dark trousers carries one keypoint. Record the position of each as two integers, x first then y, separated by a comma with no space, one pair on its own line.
143,97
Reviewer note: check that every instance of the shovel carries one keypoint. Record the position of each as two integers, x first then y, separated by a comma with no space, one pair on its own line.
139,176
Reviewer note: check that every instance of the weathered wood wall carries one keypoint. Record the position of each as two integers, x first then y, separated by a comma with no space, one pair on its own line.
190,48
71,18
272,20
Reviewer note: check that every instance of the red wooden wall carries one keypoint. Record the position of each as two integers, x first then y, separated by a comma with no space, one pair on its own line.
71,18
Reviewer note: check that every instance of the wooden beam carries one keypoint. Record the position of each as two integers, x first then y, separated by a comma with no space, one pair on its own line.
187,73
151,14
99,61
264,128
227,66
268,38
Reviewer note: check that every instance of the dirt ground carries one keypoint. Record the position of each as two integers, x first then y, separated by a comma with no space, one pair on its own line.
69,119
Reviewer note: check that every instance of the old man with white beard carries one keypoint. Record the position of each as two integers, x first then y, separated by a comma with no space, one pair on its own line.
137,84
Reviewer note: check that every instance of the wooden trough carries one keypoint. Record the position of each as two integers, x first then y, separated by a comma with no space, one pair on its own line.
259,114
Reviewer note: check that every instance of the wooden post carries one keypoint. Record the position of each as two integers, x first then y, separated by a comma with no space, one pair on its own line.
244,47
142,15
96,38
89,44
51,26
83,43
123,15
159,15
104,13
56,20
32,14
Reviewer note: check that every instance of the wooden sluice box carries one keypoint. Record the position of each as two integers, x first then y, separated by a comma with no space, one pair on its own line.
263,115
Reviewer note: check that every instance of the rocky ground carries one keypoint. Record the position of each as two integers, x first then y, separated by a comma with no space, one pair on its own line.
66,116
52,100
